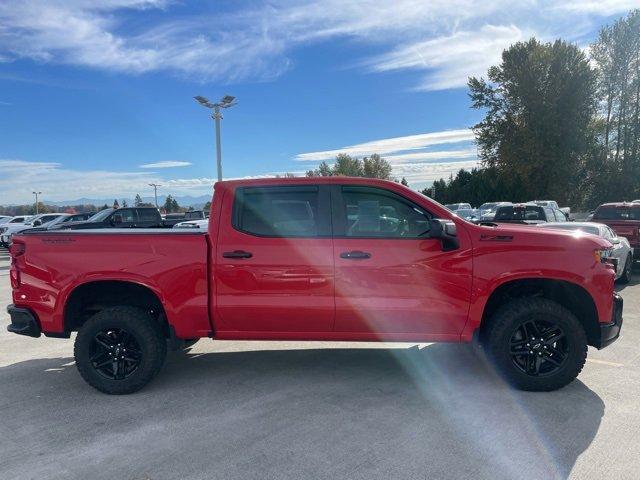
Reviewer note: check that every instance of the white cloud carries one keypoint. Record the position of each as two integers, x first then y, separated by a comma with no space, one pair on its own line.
391,145
598,7
410,156
18,178
448,40
424,157
450,60
420,175
166,164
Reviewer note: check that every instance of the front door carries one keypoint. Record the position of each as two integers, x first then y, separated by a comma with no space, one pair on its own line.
274,262
391,280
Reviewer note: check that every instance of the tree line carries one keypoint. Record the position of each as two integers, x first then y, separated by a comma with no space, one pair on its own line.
558,123
170,206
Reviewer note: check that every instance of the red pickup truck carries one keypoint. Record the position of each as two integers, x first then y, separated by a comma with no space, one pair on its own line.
329,259
624,219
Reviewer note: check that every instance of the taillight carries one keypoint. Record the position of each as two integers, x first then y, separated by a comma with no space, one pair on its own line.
16,249
14,275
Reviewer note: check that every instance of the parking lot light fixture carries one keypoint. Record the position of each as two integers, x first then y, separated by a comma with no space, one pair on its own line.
225,102
36,194
155,191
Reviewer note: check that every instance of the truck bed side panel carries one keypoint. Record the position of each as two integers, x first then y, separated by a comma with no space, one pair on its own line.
173,266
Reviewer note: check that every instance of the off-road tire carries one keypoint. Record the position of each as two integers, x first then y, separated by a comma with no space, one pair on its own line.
507,319
146,332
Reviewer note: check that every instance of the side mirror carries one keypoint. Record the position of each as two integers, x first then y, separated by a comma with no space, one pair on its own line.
615,241
37,223
116,219
446,231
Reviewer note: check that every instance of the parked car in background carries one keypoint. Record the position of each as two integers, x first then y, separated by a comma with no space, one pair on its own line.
458,206
19,219
73,217
126,217
193,224
552,204
527,213
488,210
326,259
624,219
12,228
470,214
622,250
171,219
4,219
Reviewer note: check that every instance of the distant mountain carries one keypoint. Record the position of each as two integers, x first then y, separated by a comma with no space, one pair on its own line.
183,201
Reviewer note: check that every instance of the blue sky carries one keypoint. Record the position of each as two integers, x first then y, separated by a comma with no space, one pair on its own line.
96,96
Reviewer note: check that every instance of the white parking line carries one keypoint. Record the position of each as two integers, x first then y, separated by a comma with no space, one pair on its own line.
604,362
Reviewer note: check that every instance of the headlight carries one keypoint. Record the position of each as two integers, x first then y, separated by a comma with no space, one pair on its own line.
604,255
601,254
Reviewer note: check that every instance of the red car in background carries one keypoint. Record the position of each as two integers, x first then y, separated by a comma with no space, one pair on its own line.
624,219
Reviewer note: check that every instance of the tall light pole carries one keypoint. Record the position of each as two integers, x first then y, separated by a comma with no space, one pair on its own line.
155,191
36,194
225,102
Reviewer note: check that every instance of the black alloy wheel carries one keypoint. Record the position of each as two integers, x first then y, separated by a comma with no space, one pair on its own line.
539,347
115,354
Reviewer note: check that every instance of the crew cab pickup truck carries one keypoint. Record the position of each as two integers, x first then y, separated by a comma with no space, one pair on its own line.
329,259
528,213
624,219
125,217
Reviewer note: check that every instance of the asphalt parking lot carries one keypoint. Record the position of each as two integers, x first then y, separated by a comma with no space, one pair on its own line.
267,410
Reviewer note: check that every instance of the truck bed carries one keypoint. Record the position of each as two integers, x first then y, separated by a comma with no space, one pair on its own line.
171,263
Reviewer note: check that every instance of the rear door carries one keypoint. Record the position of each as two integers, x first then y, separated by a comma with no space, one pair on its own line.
148,217
274,262
392,281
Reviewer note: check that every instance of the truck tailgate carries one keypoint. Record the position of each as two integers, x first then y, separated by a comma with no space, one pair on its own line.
172,264
628,229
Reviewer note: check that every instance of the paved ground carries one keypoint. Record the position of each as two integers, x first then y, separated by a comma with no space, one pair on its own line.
313,411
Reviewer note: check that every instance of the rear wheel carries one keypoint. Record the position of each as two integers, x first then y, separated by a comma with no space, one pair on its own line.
119,350
628,267
536,344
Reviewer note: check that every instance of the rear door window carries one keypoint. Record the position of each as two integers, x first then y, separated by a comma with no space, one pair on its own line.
287,211
148,215
128,215
617,213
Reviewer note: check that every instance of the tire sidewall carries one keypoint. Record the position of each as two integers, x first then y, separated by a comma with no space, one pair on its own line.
551,312
139,330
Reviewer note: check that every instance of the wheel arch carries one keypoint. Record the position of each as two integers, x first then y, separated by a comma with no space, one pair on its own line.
572,296
92,296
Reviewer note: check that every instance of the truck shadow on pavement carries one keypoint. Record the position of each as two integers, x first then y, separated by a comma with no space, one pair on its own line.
435,412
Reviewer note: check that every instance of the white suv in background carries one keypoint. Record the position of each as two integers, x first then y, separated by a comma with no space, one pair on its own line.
10,228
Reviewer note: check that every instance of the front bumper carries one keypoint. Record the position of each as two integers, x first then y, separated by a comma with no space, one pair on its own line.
609,332
23,322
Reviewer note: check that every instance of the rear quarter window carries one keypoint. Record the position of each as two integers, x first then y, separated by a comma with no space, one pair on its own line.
279,211
617,213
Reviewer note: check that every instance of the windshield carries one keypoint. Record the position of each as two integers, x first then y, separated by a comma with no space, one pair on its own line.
519,213
98,217
488,206
582,228
465,213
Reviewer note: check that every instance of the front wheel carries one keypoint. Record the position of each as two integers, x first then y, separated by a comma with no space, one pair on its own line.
119,350
536,344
